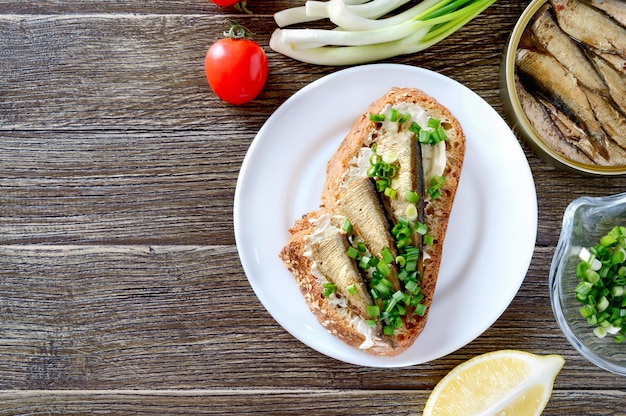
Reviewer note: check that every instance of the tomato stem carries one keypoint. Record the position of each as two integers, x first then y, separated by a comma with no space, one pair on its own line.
237,31
242,6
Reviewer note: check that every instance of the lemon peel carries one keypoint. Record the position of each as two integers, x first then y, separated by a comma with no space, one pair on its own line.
502,383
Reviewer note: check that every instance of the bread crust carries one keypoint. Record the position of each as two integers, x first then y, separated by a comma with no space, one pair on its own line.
437,213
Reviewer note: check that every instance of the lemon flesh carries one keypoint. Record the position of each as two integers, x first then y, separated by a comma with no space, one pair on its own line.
503,383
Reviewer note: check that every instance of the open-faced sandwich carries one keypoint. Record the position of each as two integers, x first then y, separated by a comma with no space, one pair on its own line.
368,259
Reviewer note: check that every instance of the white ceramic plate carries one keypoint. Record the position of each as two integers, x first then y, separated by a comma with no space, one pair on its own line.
493,224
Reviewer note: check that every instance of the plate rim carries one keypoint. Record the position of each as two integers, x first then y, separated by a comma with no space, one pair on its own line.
259,139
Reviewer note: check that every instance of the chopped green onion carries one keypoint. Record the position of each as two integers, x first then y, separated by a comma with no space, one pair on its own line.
377,118
417,299
389,158
400,310
436,183
600,331
587,311
401,229
411,266
361,247
411,212
381,184
383,170
412,253
592,276
351,289
415,128
383,287
383,268
424,137
618,256
420,309
395,298
404,242
429,240
364,263
393,114
412,287
347,226
433,123
412,197
404,118
583,288
608,240
386,255
602,285
441,133
329,289
390,192
373,311
352,252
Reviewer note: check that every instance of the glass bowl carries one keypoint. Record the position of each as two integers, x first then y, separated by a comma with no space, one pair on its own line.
585,221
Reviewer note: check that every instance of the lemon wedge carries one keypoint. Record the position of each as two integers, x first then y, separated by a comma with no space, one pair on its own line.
501,383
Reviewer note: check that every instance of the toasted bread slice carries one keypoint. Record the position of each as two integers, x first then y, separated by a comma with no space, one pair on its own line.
334,309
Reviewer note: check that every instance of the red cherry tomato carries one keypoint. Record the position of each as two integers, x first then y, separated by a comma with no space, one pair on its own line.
224,3
236,69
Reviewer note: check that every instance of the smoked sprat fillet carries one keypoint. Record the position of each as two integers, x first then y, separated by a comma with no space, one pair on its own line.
367,260
571,79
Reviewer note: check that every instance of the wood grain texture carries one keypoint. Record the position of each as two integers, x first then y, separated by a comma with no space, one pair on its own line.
121,289
251,402
106,187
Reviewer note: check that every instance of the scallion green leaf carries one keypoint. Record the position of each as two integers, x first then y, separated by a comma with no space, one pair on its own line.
412,287
412,197
601,288
386,255
420,309
329,289
361,34
347,226
390,192
373,311
436,183
377,118
352,252
351,289
393,114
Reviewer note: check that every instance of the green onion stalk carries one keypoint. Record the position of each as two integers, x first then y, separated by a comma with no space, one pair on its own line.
362,35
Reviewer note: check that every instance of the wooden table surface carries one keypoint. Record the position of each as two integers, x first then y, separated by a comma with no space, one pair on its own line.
121,289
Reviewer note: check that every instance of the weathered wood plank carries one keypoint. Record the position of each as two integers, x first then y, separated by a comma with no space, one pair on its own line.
136,187
274,402
120,286
82,71
108,317
259,8
76,71
140,7
139,187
